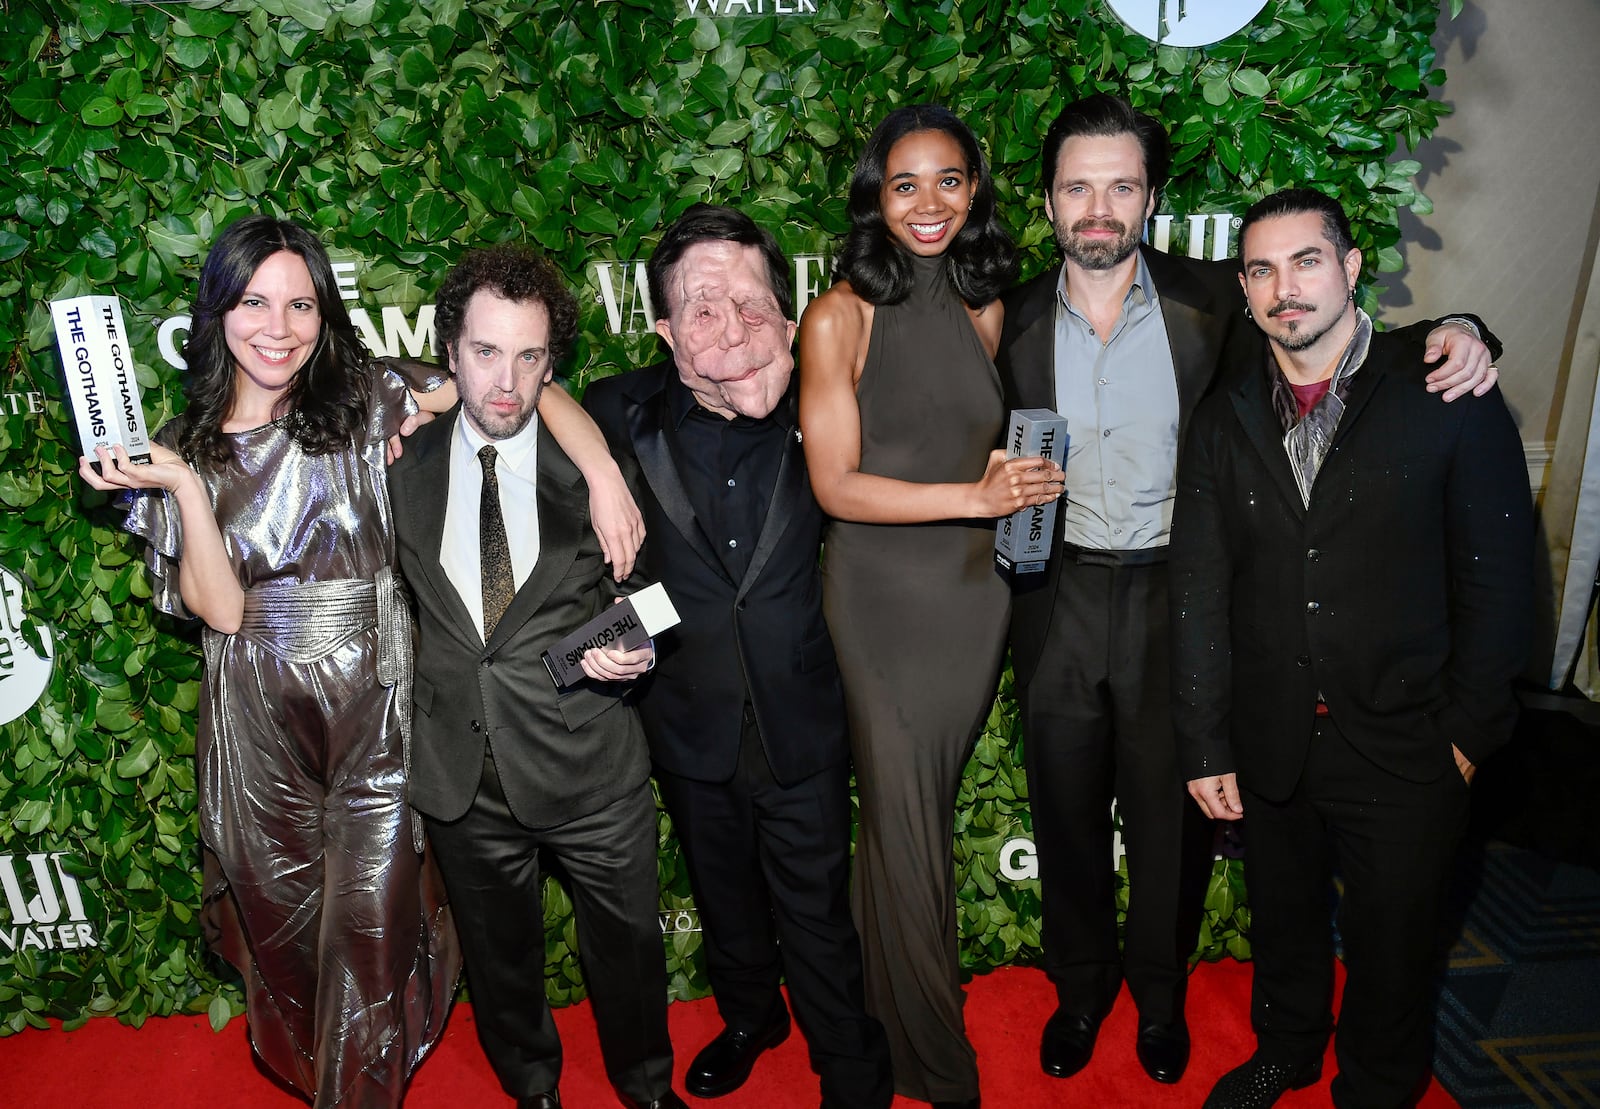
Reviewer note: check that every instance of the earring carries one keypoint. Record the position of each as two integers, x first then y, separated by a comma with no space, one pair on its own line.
1247,314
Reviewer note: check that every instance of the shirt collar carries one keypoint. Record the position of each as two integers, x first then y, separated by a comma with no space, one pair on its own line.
1142,291
513,451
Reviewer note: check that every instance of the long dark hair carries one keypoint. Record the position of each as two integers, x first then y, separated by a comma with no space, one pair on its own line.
983,259
326,401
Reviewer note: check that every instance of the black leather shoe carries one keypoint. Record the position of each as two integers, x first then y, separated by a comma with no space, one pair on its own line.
668,1100
1067,1043
970,1103
1259,1083
723,1064
1163,1049
549,1100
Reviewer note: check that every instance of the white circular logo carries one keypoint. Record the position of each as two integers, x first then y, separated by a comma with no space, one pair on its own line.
1186,22
24,672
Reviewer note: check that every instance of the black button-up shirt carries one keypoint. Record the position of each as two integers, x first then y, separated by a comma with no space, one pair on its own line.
729,469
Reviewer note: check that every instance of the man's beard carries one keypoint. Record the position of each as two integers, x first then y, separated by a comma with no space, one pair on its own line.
1293,339
1097,254
492,424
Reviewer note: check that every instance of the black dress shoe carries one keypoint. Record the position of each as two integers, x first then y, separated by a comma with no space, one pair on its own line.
1258,1083
668,1100
723,1064
1163,1049
1067,1043
549,1100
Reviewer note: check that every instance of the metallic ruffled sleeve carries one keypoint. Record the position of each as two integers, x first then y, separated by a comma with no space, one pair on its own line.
153,517
394,380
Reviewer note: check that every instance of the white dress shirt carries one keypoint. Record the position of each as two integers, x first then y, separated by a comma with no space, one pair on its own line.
515,466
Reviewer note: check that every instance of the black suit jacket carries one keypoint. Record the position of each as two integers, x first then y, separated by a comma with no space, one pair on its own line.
1203,309
761,638
559,755
1403,593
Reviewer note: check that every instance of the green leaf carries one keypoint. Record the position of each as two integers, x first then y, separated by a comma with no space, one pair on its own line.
34,99
1252,83
1299,85
102,111
311,14
1216,91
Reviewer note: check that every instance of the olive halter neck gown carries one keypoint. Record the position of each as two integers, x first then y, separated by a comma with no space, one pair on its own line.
918,615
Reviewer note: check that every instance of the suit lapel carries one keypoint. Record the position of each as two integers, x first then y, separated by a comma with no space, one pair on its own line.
1194,328
648,421
786,496
1032,354
431,473
563,516
1252,404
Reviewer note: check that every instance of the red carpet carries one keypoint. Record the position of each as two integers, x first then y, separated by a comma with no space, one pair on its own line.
177,1063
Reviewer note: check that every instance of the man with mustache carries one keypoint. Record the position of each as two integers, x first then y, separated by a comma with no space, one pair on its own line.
745,711
1123,341
1353,566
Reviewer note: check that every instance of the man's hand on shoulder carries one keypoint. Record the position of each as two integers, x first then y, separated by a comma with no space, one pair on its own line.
1467,363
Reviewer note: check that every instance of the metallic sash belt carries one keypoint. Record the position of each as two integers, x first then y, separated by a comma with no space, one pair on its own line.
302,622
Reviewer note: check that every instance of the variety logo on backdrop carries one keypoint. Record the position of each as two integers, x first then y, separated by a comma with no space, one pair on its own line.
24,671
622,288
1186,22
45,905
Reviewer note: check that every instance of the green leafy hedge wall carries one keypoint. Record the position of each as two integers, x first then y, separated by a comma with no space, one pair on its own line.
406,130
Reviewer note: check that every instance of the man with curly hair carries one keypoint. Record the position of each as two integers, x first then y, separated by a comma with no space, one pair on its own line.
494,538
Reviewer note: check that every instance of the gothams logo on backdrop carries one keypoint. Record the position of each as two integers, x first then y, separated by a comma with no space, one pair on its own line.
24,665
397,336
45,905
1186,22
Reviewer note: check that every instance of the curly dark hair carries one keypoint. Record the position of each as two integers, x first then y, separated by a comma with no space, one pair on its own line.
983,259
512,272
326,402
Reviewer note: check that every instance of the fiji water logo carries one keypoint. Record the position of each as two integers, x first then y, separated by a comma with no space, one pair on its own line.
45,903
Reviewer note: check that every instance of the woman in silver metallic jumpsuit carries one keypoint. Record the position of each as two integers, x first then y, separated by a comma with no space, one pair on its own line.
266,513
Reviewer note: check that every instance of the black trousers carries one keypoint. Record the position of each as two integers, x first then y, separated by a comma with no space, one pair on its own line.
770,867
1097,724
1392,842
490,864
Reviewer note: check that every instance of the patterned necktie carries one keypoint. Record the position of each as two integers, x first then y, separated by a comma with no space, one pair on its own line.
499,583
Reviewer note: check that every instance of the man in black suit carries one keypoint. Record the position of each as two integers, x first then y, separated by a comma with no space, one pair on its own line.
1123,341
1353,566
493,535
745,711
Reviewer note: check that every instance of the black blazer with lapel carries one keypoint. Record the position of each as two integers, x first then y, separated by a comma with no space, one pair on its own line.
1403,593
1203,309
559,755
762,637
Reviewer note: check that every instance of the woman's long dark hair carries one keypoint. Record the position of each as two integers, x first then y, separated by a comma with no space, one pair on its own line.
983,259
326,403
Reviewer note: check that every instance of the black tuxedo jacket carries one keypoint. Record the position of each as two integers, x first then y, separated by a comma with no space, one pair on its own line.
1203,309
762,638
559,755
1402,594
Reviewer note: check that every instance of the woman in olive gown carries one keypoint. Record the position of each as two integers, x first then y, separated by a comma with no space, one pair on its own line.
266,514
901,410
